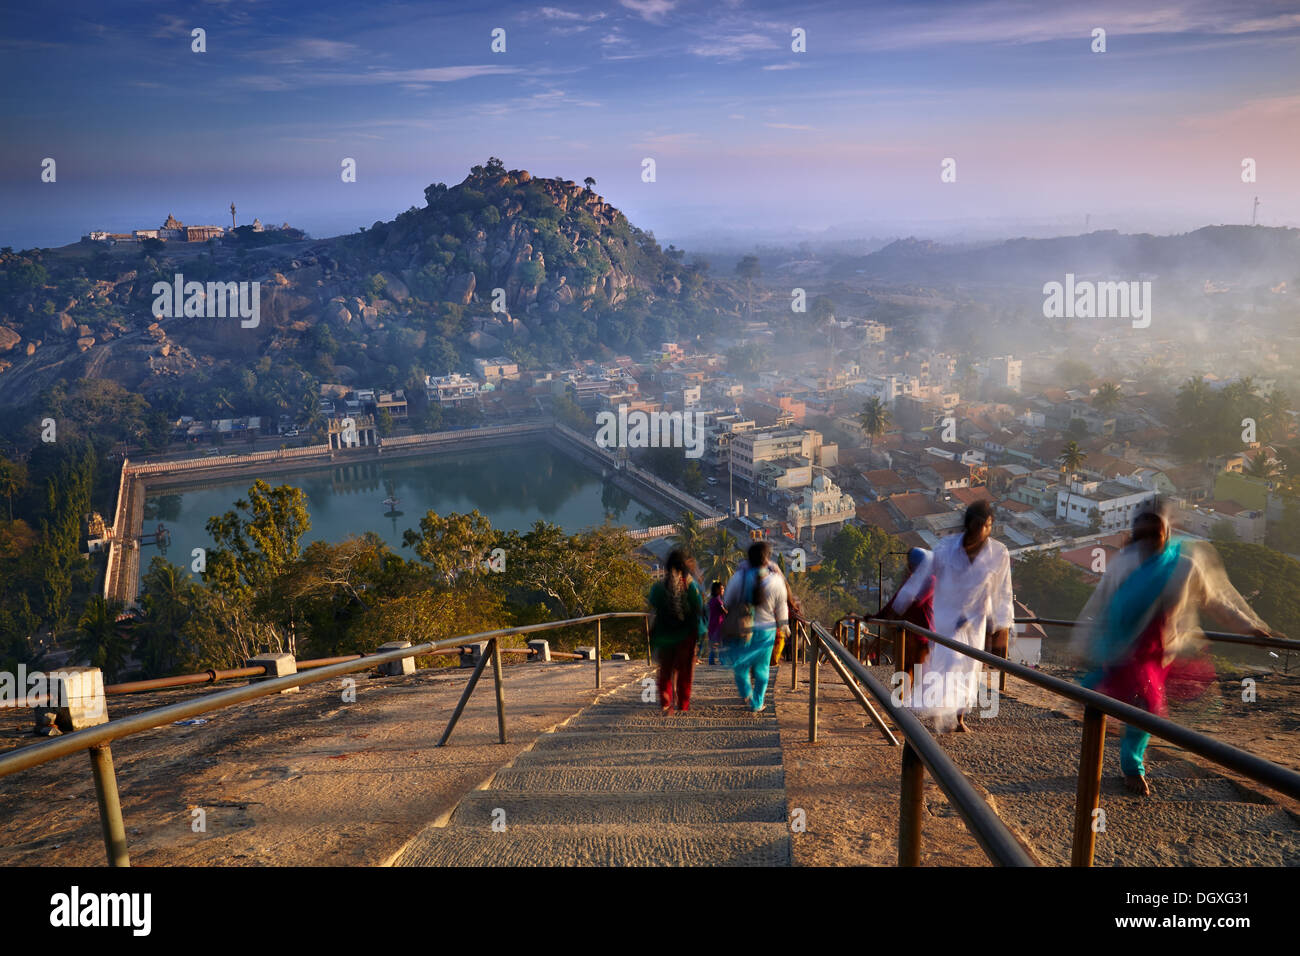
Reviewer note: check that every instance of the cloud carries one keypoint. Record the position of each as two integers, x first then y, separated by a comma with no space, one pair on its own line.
734,46
304,49
172,26
652,11
787,126
1015,21
433,74
783,66
555,13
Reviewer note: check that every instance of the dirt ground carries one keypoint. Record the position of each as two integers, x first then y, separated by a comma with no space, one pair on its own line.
848,784
293,779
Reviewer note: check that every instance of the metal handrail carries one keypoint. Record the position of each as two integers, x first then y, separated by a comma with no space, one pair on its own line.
1097,707
1281,642
921,752
98,739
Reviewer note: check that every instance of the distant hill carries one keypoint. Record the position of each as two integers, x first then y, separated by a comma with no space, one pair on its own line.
414,295
1222,253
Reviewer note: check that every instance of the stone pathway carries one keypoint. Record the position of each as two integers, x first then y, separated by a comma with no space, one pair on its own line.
622,785
1027,759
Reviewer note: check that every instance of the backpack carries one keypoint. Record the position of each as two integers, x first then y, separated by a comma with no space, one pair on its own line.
738,625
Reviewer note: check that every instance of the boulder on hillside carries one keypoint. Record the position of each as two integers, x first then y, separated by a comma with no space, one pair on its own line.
8,338
461,288
395,288
337,313
86,342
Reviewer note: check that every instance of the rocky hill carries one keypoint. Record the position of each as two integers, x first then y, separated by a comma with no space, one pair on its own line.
502,262
1232,254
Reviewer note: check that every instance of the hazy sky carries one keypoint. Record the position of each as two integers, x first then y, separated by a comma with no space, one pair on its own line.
746,134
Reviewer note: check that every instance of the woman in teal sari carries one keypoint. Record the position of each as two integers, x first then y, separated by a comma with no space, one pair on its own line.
1143,617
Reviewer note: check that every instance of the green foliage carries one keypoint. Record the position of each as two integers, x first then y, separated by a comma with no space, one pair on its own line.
1050,586
1270,582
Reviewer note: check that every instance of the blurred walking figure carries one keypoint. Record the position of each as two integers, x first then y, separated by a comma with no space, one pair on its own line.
916,649
759,588
677,619
1140,625
717,613
972,594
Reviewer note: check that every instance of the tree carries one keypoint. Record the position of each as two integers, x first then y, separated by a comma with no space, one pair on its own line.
689,536
1050,586
721,553
1262,466
455,546
1071,458
256,546
13,481
749,270
577,575
874,418
99,639
590,183
1107,397
168,597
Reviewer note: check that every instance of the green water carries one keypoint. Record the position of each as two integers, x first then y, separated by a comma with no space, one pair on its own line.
514,486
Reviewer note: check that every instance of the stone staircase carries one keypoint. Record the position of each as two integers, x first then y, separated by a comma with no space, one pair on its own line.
1027,760
622,785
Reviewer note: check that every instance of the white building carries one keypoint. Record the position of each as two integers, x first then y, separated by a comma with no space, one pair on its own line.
1004,372
450,389
823,503
1116,504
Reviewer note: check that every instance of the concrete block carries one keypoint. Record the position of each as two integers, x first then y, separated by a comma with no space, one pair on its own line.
75,700
277,665
587,653
541,649
396,668
471,654
620,656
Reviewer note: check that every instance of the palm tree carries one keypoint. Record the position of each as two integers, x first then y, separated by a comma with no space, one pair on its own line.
1107,397
1071,458
689,534
875,419
11,482
98,638
721,553
1262,466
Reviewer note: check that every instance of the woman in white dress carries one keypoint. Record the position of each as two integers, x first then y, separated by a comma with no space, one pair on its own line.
972,596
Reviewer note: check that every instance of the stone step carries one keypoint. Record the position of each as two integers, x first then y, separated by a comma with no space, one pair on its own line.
682,739
659,757
736,844
539,807
638,779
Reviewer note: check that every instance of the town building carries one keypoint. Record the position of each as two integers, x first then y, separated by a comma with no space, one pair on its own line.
822,504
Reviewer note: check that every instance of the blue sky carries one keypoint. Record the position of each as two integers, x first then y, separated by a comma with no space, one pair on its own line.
747,135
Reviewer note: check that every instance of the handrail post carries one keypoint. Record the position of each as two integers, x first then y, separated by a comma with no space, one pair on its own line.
464,699
645,621
794,654
501,692
814,652
910,807
110,806
598,655
1088,796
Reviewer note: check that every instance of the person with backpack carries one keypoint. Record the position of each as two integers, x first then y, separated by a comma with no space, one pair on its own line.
677,619
756,599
